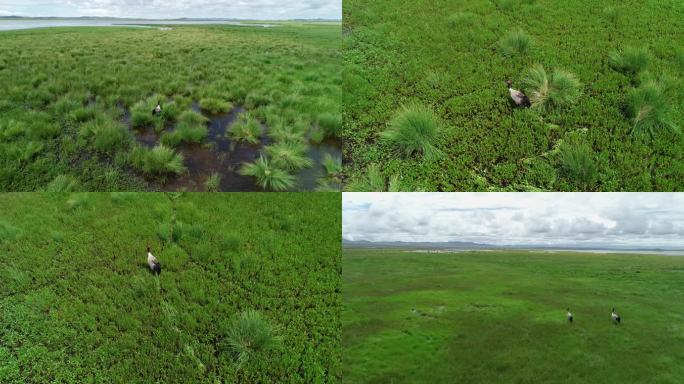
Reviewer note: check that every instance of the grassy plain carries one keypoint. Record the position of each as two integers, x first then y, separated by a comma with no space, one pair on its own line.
78,303
499,317
77,102
453,58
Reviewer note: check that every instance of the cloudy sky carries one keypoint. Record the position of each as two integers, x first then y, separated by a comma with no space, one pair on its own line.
158,9
624,219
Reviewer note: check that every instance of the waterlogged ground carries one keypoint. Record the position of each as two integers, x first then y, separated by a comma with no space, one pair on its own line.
447,56
76,114
78,302
499,317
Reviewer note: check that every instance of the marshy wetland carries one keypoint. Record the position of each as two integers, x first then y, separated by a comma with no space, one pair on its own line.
500,317
243,108
248,290
427,107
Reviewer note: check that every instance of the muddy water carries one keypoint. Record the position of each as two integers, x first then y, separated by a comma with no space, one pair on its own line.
217,154
308,177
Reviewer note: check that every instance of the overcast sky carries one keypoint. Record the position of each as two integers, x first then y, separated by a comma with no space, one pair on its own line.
158,9
642,219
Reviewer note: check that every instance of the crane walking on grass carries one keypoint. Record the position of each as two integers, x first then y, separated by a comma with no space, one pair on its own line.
519,98
153,262
614,317
569,315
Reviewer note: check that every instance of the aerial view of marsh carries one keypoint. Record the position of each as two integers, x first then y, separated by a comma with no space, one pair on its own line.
155,102
128,287
513,288
513,95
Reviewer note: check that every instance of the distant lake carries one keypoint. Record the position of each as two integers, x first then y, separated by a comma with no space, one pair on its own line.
464,250
11,24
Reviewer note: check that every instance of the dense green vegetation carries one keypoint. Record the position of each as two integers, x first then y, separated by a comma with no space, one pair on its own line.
249,289
78,102
499,317
608,77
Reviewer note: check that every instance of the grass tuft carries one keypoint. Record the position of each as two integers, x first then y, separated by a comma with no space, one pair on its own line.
158,160
558,90
415,129
331,124
650,109
631,61
247,337
332,165
515,44
63,183
215,105
213,183
268,177
289,155
247,129
577,165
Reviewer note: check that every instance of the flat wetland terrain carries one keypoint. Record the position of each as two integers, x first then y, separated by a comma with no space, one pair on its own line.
249,289
426,106
243,108
499,317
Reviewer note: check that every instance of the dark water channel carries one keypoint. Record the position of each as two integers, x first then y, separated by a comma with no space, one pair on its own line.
217,154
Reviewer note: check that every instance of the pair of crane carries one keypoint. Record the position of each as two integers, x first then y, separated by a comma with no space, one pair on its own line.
614,317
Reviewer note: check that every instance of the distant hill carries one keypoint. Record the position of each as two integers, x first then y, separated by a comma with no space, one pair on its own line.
417,245
13,17
471,245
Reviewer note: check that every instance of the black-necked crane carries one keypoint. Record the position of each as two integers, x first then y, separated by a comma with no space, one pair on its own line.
156,110
152,261
614,317
519,98
569,315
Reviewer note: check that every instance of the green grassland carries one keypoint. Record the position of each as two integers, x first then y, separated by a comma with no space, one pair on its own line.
499,317
76,104
78,303
614,131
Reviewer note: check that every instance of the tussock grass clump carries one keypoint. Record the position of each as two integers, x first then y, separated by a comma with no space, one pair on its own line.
631,61
331,123
63,183
374,181
577,165
289,155
248,336
213,182
515,44
191,128
246,129
141,113
214,105
414,129
81,114
558,90
268,176
332,165
255,100
158,160
650,109
107,135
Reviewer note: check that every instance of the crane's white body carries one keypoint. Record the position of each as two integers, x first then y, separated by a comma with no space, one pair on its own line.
614,317
151,260
154,264
517,96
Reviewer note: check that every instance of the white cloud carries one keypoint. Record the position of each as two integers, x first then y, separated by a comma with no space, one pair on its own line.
239,9
648,219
